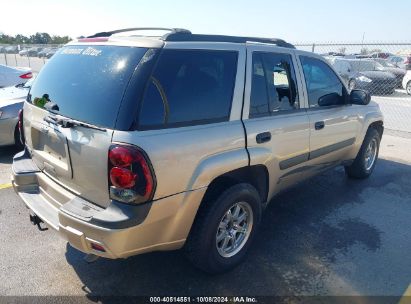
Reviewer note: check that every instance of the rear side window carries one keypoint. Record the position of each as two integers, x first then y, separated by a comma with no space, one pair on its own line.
273,85
87,82
189,87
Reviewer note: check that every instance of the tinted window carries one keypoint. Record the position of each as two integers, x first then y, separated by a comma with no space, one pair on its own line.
189,87
273,85
87,83
323,86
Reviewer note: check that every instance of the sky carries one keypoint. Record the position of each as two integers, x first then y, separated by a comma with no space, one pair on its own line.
296,21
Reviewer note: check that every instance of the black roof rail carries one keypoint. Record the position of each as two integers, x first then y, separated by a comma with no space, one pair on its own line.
187,36
183,35
132,29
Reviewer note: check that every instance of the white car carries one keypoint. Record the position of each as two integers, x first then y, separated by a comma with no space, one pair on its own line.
406,82
10,76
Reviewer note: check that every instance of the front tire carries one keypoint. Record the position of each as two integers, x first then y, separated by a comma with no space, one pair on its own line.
224,229
408,88
365,162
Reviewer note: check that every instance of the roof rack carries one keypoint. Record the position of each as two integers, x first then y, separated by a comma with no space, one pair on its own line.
187,36
133,29
183,35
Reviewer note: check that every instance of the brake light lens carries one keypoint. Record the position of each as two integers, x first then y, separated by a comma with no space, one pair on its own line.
27,75
121,156
122,178
131,178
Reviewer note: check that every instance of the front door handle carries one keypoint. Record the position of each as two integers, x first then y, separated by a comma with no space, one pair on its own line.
319,125
263,137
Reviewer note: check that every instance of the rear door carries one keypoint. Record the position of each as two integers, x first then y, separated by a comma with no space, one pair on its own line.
334,123
71,112
274,114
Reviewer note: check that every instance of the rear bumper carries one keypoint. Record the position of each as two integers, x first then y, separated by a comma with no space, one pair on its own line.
122,230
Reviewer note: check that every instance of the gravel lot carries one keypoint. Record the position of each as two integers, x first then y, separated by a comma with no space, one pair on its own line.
326,236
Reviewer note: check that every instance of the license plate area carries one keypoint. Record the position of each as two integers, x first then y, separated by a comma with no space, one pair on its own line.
50,151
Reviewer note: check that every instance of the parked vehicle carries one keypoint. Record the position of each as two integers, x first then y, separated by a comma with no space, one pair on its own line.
11,102
51,53
31,52
403,62
365,74
389,67
44,52
172,142
12,49
381,55
10,76
23,52
406,82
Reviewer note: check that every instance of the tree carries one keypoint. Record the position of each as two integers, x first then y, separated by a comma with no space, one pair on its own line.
37,38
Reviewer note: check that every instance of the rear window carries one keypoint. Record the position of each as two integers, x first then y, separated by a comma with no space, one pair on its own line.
87,82
189,87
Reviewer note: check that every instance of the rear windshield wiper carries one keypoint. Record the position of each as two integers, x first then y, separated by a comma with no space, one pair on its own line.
70,123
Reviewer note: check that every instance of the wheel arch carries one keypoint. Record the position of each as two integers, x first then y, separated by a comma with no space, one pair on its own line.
256,175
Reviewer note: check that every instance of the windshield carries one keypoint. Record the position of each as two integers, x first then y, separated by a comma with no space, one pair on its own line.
366,65
86,83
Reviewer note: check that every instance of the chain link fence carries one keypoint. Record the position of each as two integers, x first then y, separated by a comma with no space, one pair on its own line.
384,69
32,56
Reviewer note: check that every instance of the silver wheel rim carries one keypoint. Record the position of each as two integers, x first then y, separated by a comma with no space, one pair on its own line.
371,154
351,85
408,88
234,229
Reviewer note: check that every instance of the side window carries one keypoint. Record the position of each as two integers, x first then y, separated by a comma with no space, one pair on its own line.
189,87
323,86
273,84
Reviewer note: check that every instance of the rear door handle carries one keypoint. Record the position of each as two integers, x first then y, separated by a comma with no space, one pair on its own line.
263,137
319,125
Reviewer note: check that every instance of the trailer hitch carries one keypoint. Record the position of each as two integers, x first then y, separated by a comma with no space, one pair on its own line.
35,220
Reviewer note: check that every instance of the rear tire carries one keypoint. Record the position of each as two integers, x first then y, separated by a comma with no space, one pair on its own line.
365,162
17,139
215,226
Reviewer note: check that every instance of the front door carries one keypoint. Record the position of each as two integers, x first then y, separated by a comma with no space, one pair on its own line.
334,123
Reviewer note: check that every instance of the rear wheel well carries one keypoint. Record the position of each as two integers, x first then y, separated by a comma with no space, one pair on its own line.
379,126
257,176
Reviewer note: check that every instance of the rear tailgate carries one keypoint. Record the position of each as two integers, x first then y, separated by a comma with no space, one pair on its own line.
74,157
86,85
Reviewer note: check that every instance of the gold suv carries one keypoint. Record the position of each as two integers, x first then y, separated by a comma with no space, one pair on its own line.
140,143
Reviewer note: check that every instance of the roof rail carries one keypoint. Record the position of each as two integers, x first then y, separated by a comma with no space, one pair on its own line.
180,35
187,36
171,30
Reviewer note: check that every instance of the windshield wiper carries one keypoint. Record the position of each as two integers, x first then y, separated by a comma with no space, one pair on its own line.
70,123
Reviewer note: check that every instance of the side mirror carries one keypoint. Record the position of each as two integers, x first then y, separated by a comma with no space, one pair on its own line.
360,97
331,99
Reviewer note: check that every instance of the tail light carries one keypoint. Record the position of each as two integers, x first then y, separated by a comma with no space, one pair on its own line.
20,126
131,178
27,75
